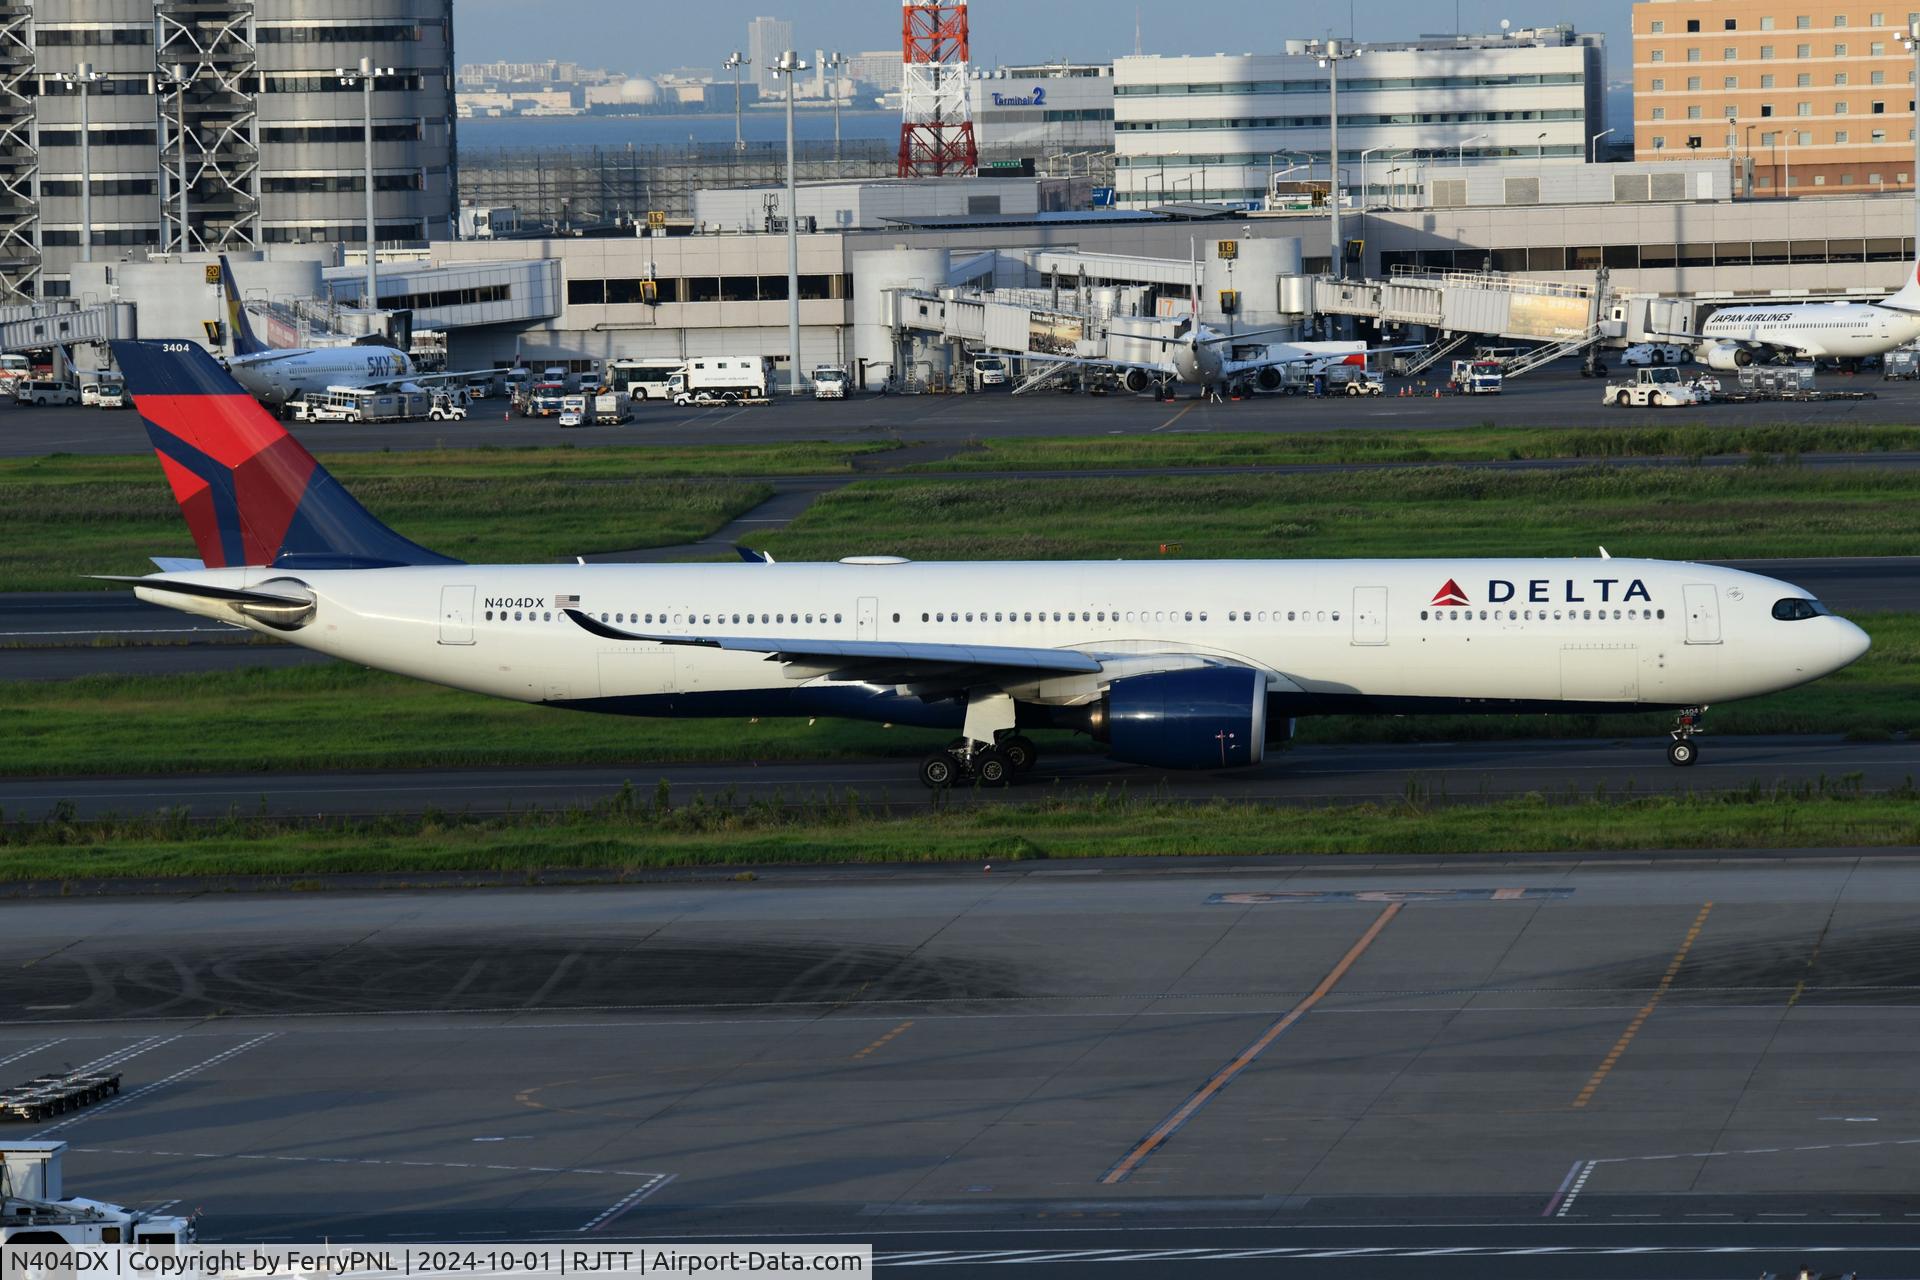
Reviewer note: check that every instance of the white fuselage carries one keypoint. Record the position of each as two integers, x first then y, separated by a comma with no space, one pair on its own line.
1831,329
275,377
1329,635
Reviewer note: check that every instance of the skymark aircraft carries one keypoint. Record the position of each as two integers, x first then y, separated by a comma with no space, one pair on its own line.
1735,337
1184,665
276,375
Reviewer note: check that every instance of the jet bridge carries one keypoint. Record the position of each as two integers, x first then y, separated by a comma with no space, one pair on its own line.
1565,318
59,324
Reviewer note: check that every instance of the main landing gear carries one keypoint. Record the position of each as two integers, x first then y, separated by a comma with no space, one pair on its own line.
966,761
1681,752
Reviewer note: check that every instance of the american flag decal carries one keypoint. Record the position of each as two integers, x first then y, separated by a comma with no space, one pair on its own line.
566,602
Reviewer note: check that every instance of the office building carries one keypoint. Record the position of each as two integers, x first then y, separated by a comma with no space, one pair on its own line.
1220,128
767,39
274,142
880,69
1811,98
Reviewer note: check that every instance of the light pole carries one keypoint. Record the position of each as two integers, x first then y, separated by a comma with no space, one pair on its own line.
1330,54
734,62
1478,137
1366,192
1593,146
1393,192
791,65
177,80
1539,146
364,76
80,78
834,64
1912,41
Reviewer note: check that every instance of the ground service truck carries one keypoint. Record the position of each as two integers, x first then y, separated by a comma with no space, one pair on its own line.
35,1209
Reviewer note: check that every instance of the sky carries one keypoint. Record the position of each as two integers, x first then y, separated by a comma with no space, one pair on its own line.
649,36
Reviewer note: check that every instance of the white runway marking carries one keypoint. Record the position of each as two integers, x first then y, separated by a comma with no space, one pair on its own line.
184,1072
398,1164
632,1198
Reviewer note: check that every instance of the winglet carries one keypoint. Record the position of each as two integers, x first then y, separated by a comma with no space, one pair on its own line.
751,556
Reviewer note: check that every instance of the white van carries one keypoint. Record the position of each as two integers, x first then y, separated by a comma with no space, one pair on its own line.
990,370
1656,353
105,394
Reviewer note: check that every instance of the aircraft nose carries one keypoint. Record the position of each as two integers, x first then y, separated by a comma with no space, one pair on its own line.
1850,643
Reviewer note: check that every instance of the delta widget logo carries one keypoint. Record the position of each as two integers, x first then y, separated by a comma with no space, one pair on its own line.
1451,594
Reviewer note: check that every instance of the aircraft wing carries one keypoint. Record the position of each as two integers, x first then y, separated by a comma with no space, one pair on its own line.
1749,344
418,378
926,671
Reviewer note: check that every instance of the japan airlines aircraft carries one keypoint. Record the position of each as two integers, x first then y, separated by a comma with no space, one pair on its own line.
1184,665
1735,337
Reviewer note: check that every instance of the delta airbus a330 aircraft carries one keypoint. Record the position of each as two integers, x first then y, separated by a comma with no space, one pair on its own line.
1183,665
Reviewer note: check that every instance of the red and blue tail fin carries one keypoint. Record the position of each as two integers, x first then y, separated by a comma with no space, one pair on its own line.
251,494
245,341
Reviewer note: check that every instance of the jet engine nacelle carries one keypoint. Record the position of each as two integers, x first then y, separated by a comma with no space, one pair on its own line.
1202,718
1136,380
1728,356
1268,379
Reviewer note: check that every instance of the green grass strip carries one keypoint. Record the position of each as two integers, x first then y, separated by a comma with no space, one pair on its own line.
639,831
1485,443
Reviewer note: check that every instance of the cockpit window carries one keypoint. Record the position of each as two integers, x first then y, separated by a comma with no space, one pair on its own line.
1798,610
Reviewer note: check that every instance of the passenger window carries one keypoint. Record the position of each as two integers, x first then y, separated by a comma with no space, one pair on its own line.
1336,616
1423,615
896,617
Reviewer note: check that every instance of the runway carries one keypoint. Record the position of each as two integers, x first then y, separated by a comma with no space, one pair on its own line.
1523,1067
1554,396
1466,772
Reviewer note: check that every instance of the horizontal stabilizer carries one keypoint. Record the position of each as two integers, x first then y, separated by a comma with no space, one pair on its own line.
237,595
177,564
753,557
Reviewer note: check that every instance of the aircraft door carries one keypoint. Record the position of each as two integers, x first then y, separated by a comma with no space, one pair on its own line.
1703,614
867,619
1369,615
456,615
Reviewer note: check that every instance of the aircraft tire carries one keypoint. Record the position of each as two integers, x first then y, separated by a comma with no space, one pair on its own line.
939,771
1020,753
991,768
1682,754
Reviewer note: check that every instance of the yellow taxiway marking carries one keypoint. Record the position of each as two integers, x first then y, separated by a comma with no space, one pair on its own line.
881,1041
1176,417
1225,1076
1612,1059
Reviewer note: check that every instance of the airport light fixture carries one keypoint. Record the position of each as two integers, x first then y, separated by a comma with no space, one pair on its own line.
81,78
365,75
1330,54
735,61
1540,146
836,63
1298,157
1393,191
791,65
1593,146
176,80
1465,142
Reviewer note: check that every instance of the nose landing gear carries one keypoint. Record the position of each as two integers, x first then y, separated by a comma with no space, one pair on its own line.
1681,751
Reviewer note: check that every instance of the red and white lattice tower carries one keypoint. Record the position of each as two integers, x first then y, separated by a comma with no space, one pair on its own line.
936,128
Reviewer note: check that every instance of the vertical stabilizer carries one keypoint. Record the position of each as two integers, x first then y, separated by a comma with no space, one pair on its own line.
251,494
245,343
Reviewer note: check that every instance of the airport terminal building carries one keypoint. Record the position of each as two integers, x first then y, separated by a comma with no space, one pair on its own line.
1219,128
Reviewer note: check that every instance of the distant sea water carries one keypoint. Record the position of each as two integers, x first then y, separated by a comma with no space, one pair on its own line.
762,125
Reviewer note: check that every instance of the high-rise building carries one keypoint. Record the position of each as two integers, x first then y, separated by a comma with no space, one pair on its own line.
767,39
274,148
1812,99
880,69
